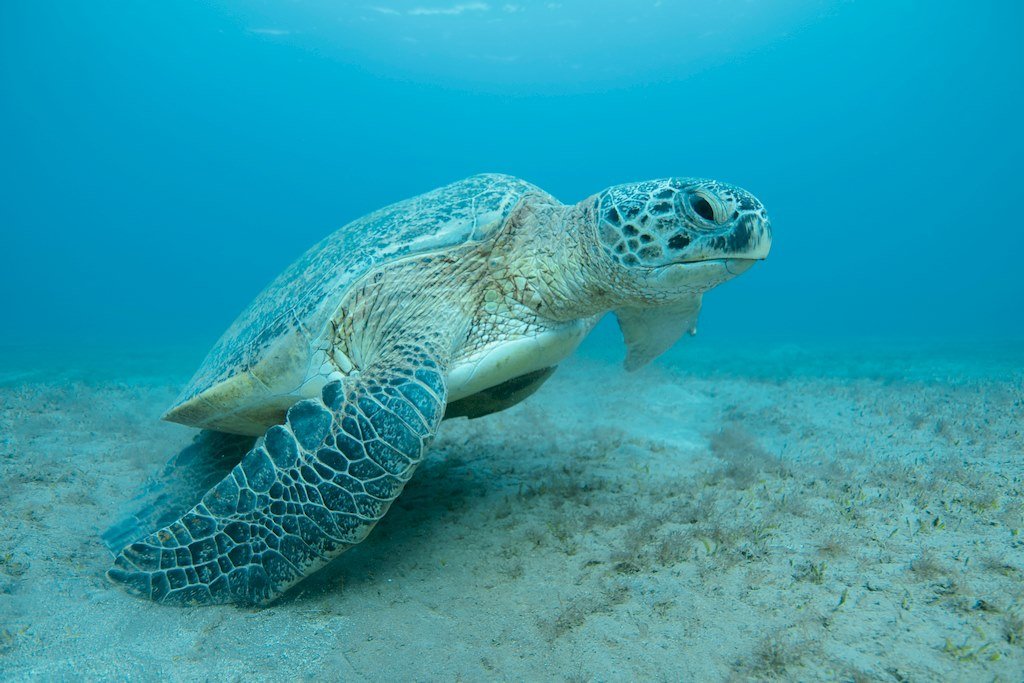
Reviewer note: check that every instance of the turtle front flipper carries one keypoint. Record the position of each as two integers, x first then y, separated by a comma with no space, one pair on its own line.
307,491
186,476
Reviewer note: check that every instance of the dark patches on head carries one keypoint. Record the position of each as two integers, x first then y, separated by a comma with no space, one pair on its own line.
651,251
652,224
679,241
746,202
631,210
739,238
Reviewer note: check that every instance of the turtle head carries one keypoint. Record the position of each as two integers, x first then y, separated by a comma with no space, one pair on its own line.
668,241
680,236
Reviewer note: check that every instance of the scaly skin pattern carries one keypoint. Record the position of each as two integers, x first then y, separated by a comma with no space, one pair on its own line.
263,358
317,483
172,491
639,223
314,487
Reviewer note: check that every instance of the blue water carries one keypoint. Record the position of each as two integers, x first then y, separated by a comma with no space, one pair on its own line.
162,162
824,485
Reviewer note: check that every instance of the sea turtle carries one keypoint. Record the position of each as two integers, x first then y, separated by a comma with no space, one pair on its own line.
458,302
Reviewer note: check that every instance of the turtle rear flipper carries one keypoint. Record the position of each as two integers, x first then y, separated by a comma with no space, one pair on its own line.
310,489
170,493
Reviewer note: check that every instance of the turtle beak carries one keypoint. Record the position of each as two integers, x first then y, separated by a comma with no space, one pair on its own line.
749,239
759,242
738,266
758,232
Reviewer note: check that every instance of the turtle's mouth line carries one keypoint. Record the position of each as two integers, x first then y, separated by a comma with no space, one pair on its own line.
732,266
720,261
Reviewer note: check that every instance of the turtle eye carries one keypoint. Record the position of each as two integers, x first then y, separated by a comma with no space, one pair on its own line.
702,208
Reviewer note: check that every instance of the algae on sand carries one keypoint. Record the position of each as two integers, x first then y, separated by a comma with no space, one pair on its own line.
729,525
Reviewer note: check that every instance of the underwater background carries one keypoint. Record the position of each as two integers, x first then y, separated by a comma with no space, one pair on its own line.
162,163
825,484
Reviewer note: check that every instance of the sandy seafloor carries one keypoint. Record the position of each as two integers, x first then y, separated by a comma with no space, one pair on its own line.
747,513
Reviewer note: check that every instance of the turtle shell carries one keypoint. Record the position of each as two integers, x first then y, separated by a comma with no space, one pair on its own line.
257,369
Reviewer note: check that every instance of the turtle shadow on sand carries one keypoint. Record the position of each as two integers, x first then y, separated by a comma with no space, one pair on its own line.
443,489
435,498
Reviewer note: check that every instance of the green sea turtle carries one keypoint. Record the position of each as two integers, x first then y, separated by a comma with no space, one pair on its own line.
458,302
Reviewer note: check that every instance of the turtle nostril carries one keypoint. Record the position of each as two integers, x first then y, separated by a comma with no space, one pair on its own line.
702,208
